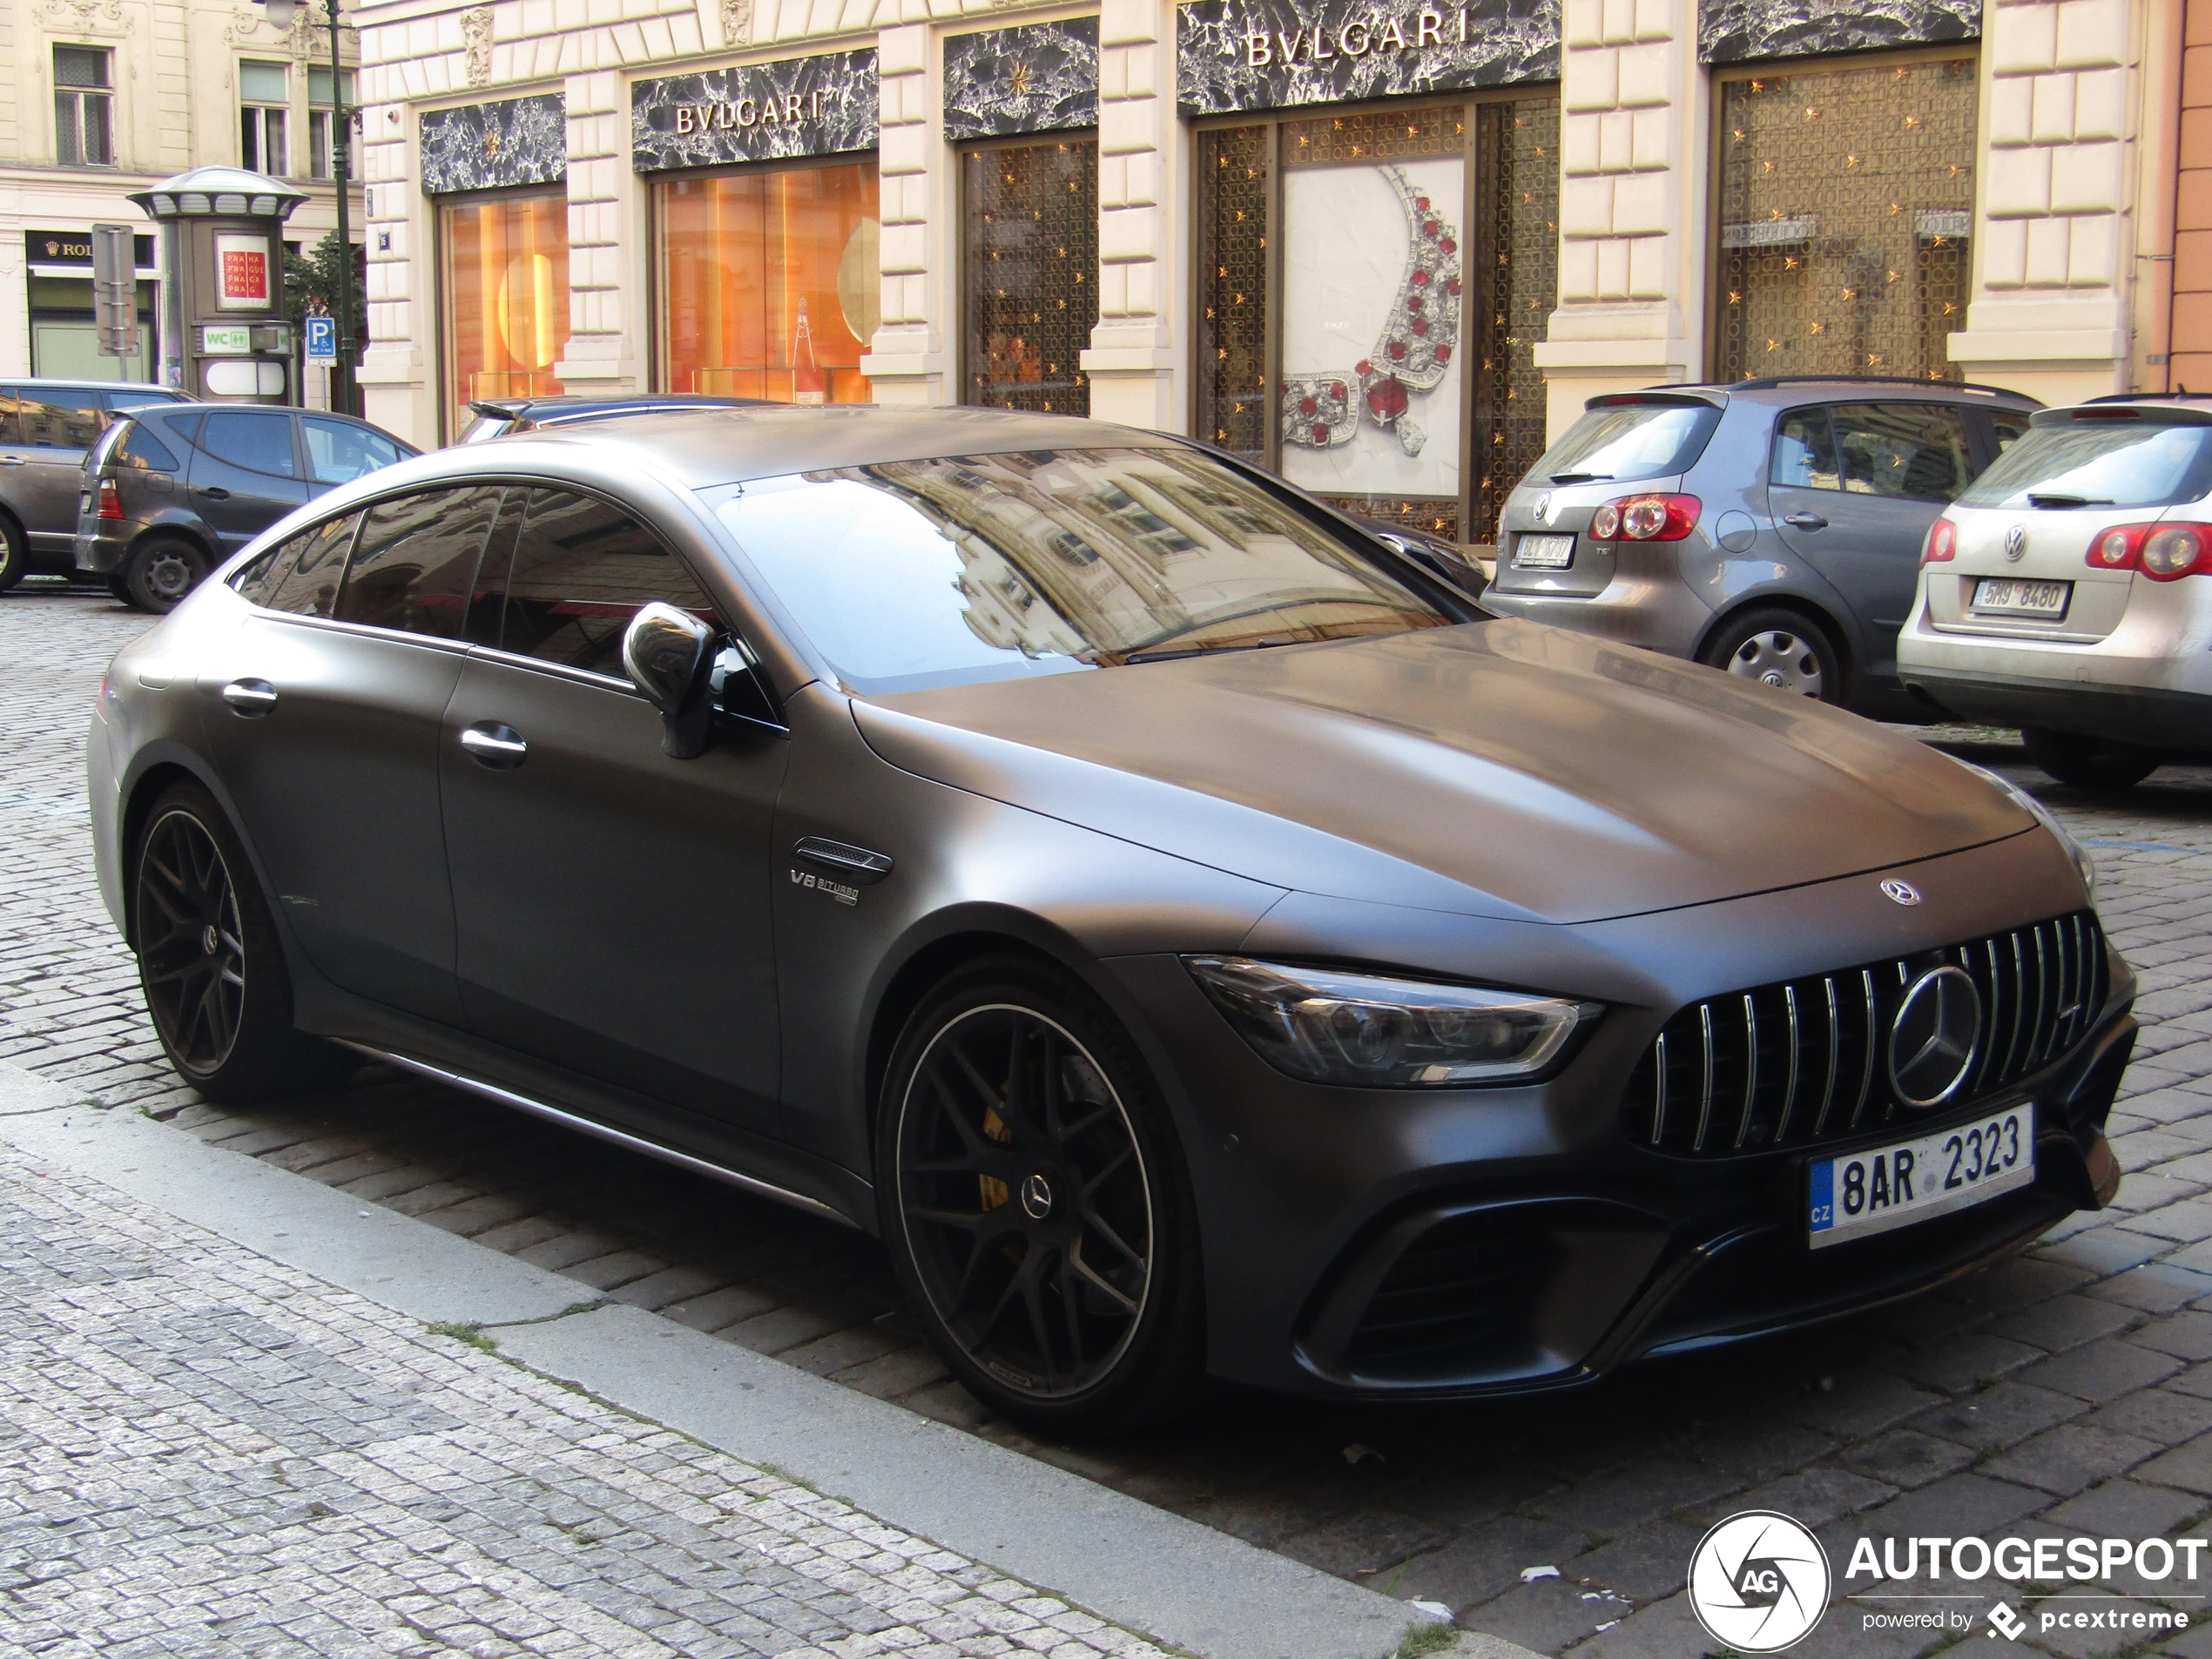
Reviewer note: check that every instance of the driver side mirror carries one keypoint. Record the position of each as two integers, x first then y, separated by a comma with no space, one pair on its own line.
667,653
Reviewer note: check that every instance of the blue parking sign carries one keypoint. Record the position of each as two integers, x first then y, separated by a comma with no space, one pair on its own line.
322,339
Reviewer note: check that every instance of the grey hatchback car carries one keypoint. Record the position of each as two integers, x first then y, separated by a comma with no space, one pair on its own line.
1771,527
45,427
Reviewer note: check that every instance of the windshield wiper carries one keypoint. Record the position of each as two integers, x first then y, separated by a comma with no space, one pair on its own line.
1580,477
2037,498
1203,651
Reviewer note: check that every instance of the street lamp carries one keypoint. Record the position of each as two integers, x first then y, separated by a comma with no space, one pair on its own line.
281,14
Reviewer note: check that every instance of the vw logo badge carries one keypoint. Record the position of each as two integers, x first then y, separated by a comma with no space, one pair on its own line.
1037,1193
1759,1582
1898,891
2016,542
1935,1037
1543,508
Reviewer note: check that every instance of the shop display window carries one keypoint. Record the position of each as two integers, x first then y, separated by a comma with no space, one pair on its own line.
1029,275
1371,287
1846,205
771,283
506,297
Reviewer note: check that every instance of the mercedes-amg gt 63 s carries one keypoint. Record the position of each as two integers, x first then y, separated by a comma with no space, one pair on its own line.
1197,939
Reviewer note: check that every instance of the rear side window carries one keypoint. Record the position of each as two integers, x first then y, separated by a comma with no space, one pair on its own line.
582,569
301,576
139,446
55,418
2099,463
2008,426
1805,452
1906,451
1626,442
415,567
338,451
257,443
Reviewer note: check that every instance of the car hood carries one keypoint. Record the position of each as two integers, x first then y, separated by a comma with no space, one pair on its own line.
1500,769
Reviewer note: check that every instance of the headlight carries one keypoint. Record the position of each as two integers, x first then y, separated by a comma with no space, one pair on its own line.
2042,814
1365,1031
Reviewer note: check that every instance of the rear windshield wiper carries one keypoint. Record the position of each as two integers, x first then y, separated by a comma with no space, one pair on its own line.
1580,477
2037,498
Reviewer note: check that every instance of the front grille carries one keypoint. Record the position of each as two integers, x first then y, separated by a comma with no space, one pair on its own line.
1801,1063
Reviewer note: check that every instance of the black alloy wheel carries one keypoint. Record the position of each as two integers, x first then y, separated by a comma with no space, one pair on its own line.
191,949
160,571
1034,1208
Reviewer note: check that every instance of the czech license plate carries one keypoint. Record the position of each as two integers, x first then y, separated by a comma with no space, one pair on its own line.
1543,552
2010,596
1909,1181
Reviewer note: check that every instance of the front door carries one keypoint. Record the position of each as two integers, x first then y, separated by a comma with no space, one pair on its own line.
246,474
43,434
1852,490
612,904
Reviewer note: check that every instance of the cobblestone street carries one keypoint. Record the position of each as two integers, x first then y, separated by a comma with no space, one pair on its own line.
2069,1392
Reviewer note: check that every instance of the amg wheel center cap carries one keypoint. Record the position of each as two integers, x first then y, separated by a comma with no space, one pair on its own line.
1036,1197
208,940
1935,1037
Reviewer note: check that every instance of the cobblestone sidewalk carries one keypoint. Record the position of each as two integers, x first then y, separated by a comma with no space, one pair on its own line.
204,1452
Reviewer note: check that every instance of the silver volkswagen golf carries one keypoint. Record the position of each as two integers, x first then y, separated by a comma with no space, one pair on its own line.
1196,938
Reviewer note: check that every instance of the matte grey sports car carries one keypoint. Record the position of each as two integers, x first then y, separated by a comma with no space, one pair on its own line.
1198,941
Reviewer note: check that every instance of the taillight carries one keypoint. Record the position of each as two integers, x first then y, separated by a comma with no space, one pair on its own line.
110,500
1645,518
2162,552
1942,543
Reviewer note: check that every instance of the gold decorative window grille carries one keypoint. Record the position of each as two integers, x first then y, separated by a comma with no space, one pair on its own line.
1030,269
1233,343
1846,202
1517,247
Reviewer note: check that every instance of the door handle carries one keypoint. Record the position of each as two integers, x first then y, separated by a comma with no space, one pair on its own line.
214,492
1806,522
489,743
251,698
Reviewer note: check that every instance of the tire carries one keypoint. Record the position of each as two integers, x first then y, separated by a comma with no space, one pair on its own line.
119,584
1016,1114
15,553
2087,763
1782,649
160,571
210,962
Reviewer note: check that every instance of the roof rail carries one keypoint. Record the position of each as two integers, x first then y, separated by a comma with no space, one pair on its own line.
1766,382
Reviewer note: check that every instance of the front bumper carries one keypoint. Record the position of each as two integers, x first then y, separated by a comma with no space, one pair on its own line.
1412,1245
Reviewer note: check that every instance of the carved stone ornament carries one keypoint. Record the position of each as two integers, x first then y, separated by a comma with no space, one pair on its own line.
737,22
253,26
83,17
475,39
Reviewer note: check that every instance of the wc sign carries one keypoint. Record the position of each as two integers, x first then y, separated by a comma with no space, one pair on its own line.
322,340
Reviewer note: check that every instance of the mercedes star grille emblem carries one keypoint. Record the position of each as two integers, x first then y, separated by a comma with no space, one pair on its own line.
2016,542
1935,1037
1900,892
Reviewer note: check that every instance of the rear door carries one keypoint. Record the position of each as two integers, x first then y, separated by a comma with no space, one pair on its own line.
1853,487
43,461
246,474
339,451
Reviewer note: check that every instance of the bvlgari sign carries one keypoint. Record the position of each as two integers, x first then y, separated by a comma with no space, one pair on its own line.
1234,55
823,105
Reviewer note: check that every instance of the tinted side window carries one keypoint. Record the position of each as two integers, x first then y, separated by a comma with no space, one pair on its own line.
415,567
1912,451
303,577
1805,452
137,447
338,451
55,419
581,570
257,443
2008,425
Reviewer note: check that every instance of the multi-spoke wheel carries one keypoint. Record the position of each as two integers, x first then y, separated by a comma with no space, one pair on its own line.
209,958
1035,1203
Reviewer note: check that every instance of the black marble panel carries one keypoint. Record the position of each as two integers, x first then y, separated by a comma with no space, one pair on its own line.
1040,79
1233,55
1731,31
490,147
823,105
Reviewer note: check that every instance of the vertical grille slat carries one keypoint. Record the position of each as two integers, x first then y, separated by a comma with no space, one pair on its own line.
2041,987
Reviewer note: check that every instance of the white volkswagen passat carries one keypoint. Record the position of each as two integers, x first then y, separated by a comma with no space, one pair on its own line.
2069,592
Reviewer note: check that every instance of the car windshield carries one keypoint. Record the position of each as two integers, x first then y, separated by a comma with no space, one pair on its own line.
1626,442
2099,463
910,574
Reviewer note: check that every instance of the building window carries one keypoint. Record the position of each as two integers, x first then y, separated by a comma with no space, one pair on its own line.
319,110
83,112
506,297
264,106
1030,270
1846,202
1370,289
771,286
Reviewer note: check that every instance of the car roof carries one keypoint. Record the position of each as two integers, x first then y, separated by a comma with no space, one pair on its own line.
576,404
703,447
273,408
1775,390
90,386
